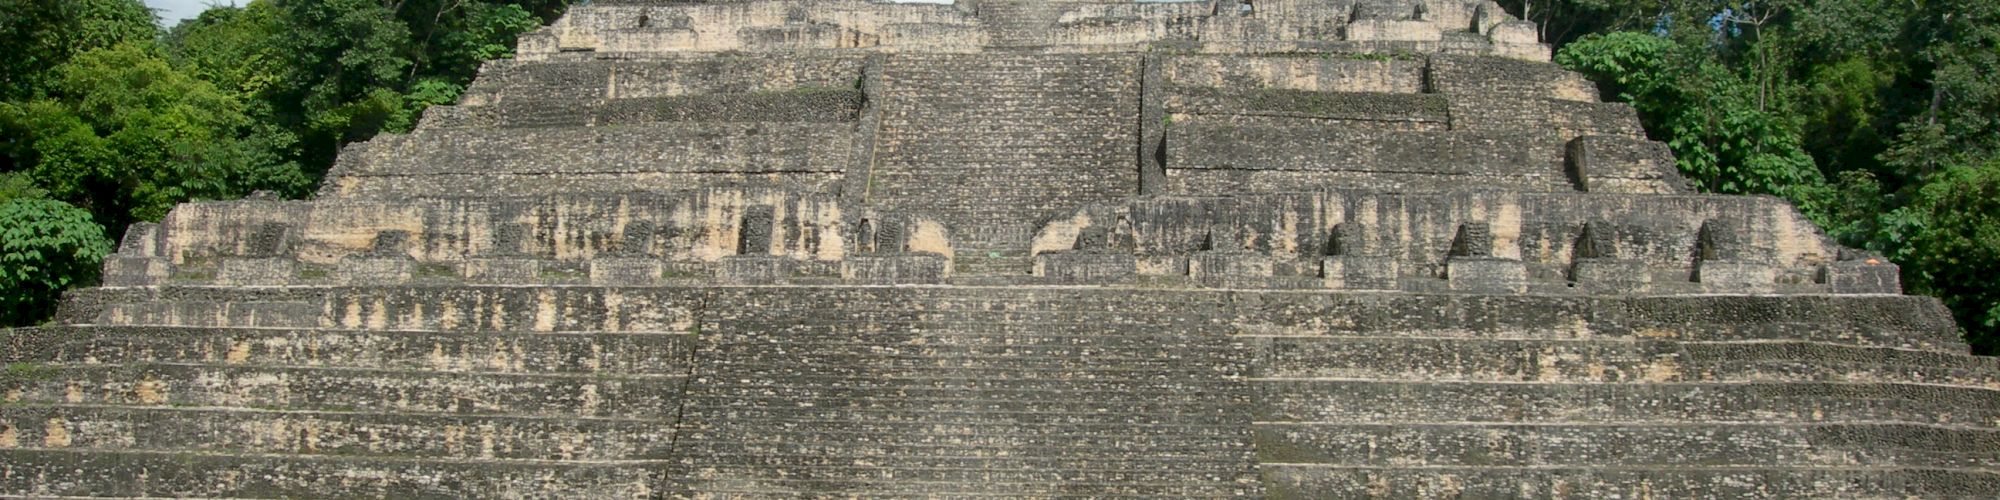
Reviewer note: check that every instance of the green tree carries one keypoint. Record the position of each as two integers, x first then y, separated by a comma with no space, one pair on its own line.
1950,239
127,136
39,35
46,246
1729,133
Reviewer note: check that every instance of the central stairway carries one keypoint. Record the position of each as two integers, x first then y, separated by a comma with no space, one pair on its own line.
881,393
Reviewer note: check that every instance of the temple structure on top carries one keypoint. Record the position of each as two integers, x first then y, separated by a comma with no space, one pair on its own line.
770,248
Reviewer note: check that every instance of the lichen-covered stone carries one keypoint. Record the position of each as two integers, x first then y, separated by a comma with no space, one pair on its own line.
1003,248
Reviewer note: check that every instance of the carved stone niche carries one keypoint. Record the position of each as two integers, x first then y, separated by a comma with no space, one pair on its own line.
754,234
864,236
1352,264
270,240
1720,265
511,240
1597,267
637,240
393,243
1471,266
1223,262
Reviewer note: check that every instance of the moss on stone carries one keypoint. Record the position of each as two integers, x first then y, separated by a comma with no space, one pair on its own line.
29,371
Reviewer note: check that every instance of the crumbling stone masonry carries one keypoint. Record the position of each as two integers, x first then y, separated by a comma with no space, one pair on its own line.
779,248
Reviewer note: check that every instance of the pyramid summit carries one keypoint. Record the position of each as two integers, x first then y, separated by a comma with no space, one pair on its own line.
1023,249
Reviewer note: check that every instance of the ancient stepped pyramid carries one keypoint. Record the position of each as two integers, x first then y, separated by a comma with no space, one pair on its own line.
1292,249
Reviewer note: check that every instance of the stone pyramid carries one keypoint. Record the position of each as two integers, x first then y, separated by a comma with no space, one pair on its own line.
1025,249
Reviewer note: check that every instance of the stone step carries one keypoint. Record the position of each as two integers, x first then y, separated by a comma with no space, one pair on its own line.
950,414
328,389
973,440
74,473
508,352
1028,347
817,105
1096,349
859,380
869,481
1046,419
1608,360
1362,401
248,431
1882,321
707,422
503,80
979,264
865,460
742,482
934,363
1621,446
1294,481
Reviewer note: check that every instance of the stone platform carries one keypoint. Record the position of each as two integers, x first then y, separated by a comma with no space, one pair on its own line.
1063,249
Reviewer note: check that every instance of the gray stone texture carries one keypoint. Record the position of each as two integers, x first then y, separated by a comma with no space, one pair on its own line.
1003,248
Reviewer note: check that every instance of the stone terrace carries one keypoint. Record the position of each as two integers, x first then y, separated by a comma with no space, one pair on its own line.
1003,248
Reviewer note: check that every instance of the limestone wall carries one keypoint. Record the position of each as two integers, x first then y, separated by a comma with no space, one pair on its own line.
635,29
1276,123
614,79
991,144
697,225
1415,241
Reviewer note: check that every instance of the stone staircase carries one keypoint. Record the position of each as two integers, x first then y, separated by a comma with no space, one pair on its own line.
889,393
236,412
1717,408
774,392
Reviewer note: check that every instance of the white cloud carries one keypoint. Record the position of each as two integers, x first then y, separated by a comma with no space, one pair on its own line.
173,11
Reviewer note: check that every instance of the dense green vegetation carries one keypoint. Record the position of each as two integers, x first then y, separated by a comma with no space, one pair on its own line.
107,119
1880,119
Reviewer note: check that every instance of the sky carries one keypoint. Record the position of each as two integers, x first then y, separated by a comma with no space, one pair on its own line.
173,11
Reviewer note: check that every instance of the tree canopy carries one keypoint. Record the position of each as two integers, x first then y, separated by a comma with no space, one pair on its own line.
1877,118
107,119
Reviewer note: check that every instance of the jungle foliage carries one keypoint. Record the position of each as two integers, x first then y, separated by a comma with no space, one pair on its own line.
1880,119
107,119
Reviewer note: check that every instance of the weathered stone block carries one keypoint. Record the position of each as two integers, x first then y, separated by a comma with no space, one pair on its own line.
1616,164
1230,263
1486,275
1358,272
142,239
1349,238
1609,275
895,269
625,272
1731,276
754,270
1870,275
256,272
502,271
1231,269
1475,239
1515,33
272,314
123,270
1393,30
1086,267
391,244
374,271
271,240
